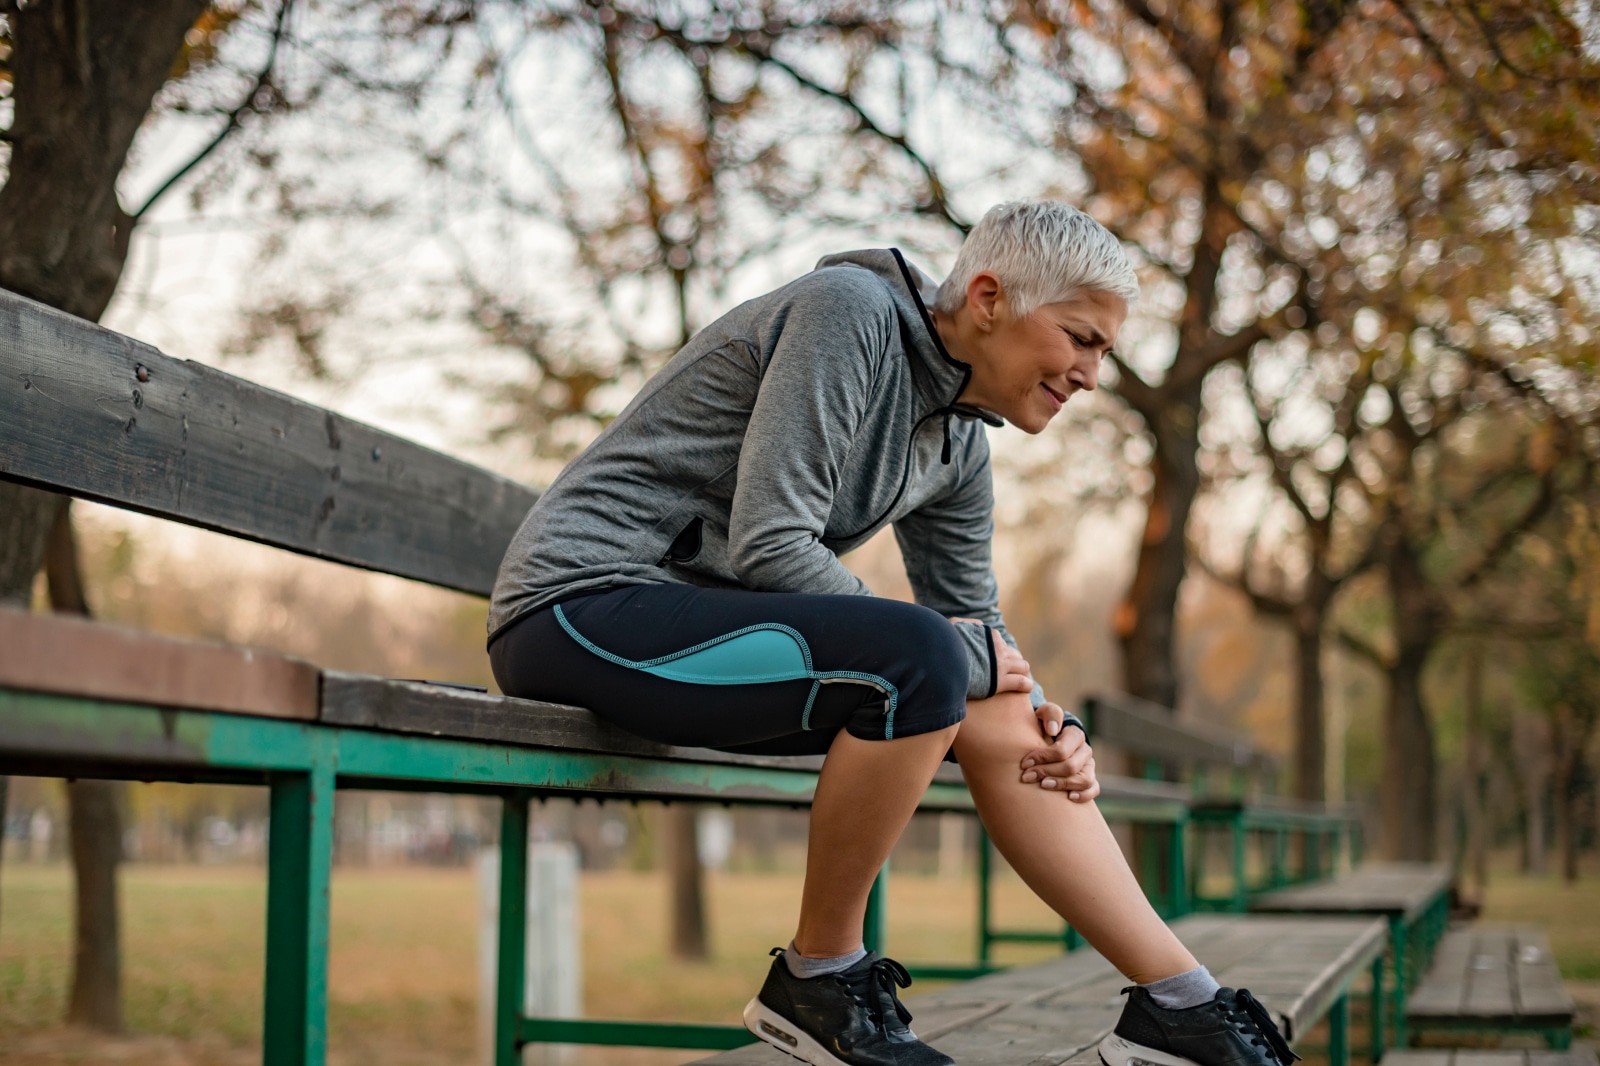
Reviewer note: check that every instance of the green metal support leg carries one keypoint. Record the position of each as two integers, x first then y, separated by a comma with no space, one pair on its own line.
875,930
1240,894
1339,1031
985,921
1376,1011
299,858
1177,869
511,945
1398,935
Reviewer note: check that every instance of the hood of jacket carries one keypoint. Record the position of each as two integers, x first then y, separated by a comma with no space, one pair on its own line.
940,377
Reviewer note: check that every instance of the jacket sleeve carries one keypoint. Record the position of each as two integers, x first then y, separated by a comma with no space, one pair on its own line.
946,545
807,413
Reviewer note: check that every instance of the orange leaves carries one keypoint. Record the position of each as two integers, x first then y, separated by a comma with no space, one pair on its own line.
205,37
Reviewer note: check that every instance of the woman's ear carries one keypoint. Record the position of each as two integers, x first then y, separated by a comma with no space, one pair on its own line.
983,299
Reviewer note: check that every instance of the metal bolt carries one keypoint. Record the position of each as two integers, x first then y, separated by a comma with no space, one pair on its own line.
377,453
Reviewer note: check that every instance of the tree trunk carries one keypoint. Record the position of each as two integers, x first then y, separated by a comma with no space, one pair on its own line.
26,516
1146,620
1533,843
84,76
1409,789
1530,747
96,839
1310,742
688,882
95,824
1475,791
1567,745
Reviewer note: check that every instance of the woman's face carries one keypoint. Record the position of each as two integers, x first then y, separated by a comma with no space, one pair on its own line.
1025,369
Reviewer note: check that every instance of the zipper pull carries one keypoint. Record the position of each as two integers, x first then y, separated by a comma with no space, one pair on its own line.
944,456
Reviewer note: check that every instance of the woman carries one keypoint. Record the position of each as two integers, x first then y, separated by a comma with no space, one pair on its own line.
681,579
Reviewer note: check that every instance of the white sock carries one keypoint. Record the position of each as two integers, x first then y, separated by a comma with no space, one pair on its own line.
803,967
1181,991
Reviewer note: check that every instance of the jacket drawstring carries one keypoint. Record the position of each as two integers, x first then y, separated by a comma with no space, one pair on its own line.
944,455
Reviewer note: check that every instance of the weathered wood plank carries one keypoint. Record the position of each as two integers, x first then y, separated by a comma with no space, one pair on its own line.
1400,889
77,657
1150,731
435,710
89,412
1488,978
1493,977
1057,1012
1540,991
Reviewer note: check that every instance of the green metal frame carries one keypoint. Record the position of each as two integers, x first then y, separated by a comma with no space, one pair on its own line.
1322,835
1165,883
1556,1037
304,763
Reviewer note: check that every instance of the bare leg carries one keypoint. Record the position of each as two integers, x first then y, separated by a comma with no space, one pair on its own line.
1062,849
866,795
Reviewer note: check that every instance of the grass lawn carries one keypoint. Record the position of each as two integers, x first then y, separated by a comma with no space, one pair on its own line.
403,970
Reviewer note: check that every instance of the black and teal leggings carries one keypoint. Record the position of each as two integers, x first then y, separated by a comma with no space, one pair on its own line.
767,673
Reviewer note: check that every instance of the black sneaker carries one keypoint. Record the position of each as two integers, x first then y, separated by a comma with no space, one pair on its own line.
850,1018
1234,1029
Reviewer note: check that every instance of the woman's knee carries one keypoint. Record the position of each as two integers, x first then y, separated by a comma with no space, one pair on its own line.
1003,726
931,659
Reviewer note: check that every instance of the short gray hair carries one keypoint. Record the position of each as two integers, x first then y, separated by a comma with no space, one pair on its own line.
1043,251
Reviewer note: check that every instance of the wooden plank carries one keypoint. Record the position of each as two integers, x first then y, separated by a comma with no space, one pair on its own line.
1400,889
1488,976
1443,990
1057,1012
77,657
87,411
1542,998
1493,976
435,710
1149,730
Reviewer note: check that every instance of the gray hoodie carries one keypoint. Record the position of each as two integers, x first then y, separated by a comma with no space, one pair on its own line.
783,435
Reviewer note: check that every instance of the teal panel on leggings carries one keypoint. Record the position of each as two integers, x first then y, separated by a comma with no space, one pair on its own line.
750,658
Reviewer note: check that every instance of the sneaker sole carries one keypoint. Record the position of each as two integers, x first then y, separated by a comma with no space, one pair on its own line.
772,1027
1117,1051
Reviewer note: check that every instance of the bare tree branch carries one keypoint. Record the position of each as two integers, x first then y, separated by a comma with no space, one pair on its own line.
235,117
1498,547
1138,393
1351,642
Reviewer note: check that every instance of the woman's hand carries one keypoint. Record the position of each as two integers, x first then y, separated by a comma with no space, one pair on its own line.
1012,672
1066,764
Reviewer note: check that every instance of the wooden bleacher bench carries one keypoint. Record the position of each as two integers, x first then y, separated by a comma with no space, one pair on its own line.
93,414
1151,732
1413,898
1493,978
1056,1012
1233,784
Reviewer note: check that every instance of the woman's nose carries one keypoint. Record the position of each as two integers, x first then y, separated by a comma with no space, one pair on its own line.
1086,373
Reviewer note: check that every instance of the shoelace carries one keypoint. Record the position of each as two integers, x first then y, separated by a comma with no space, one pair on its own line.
874,988
1255,1021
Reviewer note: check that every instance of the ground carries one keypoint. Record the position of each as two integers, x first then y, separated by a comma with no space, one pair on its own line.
403,972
